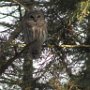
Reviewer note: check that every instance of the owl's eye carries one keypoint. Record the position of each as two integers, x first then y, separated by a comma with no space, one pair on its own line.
31,16
38,16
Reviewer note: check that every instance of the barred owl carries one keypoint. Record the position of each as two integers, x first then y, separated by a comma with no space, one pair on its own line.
35,29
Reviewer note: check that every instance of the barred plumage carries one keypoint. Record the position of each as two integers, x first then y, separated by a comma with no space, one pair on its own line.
34,29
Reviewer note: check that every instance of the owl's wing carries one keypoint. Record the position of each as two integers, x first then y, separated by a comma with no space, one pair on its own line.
27,34
43,33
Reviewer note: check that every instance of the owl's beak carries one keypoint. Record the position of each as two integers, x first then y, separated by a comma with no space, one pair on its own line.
35,20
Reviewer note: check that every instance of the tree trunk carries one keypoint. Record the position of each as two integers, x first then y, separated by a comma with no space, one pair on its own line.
28,62
27,73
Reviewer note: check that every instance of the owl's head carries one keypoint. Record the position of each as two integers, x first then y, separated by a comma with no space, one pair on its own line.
35,17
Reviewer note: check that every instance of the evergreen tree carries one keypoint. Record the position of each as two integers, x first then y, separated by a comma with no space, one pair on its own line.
64,63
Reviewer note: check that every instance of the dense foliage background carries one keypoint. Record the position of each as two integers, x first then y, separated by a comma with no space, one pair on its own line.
65,59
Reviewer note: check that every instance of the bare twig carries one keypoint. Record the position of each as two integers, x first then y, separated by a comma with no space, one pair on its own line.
75,46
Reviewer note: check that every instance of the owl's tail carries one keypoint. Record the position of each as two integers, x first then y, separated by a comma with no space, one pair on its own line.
35,50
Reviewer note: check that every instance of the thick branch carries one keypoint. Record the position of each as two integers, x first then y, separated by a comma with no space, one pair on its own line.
9,62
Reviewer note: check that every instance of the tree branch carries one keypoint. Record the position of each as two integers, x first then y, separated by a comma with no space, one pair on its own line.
75,46
9,62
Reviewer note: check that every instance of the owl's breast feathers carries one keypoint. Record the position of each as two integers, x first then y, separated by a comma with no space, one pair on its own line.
39,32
